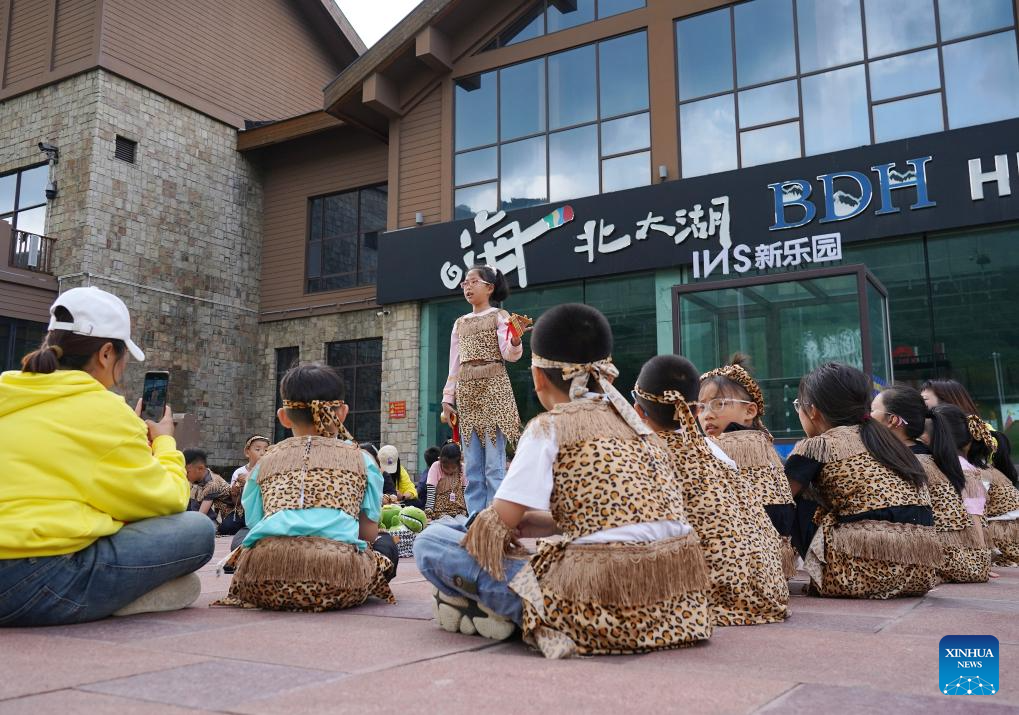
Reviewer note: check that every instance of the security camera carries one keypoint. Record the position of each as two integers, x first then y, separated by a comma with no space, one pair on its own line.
381,313
51,190
50,150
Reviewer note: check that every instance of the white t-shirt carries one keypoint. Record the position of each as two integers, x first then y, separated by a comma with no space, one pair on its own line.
529,483
239,472
720,453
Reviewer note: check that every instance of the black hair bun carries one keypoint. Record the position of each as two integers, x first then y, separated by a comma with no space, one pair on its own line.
572,332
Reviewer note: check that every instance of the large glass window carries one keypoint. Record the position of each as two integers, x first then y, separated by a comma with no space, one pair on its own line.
548,16
343,239
23,199
555,128
359,363
975,338
628,302
815,76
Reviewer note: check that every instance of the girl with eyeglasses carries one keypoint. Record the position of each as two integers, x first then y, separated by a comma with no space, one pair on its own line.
875,536
731,406
740,546
957,497
478,397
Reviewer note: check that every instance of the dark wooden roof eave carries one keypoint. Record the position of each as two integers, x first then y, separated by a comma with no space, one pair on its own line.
400,39
286,130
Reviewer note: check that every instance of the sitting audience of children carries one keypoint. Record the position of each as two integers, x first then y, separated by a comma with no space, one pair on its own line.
655,522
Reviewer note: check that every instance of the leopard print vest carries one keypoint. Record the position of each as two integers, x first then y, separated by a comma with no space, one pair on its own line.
605,476
312,472
851,479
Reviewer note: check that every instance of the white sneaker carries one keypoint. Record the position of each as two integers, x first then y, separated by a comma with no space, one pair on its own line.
457,614
170,596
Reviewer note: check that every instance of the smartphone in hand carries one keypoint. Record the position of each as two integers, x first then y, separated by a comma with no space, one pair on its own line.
154,395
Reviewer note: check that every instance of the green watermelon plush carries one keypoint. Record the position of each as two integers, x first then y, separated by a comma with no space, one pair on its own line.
390,516
413,518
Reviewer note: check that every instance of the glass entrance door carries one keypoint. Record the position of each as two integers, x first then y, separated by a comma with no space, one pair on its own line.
788,324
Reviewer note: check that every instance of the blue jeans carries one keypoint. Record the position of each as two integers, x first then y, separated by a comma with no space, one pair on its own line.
449,568
485,466
107,575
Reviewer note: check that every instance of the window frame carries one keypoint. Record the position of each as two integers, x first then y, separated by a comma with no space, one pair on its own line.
497,42
350,399
279,432
13,213
547,132
939,44
359,234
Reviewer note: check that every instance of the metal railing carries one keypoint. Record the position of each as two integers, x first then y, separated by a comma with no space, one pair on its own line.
32,252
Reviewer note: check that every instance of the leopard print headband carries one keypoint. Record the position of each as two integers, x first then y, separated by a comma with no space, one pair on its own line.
323,416
603,372
979,431
668,397
739,375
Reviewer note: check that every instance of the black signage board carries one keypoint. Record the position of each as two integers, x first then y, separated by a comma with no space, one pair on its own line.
731,222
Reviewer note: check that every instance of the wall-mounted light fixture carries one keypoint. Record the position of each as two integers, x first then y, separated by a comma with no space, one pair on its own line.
663,172
419,218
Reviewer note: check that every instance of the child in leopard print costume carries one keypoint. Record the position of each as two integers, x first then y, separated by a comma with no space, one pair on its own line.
957,498
740,545
875,536
479,386
623,570
731,411
445,485
313,505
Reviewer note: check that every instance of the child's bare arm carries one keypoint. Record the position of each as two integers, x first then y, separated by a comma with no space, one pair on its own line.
536,524
509,512
368,529
206,505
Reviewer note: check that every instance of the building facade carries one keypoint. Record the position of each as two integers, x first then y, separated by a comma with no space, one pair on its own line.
800,180
147,195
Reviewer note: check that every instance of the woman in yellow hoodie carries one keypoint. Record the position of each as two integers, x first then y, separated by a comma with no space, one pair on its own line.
90,495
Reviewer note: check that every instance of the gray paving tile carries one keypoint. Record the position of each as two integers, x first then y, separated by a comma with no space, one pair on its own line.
810,698
214,685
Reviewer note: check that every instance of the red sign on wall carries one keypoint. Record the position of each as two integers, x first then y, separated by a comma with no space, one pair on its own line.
398,410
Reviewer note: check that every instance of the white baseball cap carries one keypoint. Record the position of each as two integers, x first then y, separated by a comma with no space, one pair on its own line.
95,313
388,457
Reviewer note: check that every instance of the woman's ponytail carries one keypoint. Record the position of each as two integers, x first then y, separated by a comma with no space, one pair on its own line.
44,360
948,436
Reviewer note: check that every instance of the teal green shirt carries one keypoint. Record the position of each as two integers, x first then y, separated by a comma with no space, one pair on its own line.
333,524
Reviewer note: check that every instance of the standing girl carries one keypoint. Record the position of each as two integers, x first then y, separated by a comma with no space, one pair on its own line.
478,385
956,498
875,536
732,406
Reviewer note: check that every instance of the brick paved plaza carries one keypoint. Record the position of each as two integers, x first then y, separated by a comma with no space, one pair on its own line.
830,656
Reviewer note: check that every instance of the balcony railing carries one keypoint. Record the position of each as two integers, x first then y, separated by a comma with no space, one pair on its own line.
32,252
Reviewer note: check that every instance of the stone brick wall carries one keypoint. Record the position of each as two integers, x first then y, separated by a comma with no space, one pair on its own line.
399,329
177,235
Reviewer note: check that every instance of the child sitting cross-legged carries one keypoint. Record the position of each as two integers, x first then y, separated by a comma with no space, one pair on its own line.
313,505
624,573
739,543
